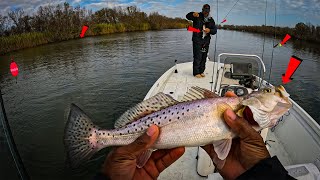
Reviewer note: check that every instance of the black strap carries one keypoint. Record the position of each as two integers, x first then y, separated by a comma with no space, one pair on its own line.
101,176
270,168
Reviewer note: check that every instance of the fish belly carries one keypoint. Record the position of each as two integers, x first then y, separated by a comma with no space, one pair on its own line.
193,131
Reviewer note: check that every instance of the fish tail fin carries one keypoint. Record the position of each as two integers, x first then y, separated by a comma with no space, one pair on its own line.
80,137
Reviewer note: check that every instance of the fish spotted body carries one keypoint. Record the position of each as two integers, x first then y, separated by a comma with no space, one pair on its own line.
193,123
184,124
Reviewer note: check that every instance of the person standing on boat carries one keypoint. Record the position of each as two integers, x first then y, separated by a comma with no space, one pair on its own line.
201,41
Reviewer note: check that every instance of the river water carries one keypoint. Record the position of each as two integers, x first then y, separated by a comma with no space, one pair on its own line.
105,75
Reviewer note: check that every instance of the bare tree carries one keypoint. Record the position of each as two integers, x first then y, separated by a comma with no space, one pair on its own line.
16,16
3,25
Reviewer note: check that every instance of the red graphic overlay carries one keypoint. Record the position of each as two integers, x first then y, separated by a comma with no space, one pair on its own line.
14,69
192,29
292,67
84,29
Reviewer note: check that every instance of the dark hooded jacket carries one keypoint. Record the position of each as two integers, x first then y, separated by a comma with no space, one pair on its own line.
198,23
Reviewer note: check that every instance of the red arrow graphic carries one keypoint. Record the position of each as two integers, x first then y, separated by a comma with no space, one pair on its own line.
192,29
292,67
84,29
283,41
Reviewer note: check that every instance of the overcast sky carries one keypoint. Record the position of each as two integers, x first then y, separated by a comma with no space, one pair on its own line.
246,12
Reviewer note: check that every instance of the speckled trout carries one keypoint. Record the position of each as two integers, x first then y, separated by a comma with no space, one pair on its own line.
196,122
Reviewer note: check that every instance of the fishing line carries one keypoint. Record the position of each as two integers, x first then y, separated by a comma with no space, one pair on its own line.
275,37
215,45
12,147
231,9
215,51
264,41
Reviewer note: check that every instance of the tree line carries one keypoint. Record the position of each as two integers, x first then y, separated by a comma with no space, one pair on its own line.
62,22
301,30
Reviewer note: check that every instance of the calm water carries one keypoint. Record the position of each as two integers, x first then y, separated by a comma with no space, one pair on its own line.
106,75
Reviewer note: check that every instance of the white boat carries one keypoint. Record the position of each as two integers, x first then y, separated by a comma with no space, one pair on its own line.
295,140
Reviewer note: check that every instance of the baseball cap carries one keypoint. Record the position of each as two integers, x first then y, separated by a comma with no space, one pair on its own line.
206,8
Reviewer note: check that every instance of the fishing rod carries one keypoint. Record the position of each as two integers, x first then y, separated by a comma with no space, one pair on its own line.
263,44
215,51
11,144
215,44
224,19
275,37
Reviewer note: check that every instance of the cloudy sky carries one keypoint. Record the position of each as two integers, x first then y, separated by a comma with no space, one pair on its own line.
246,12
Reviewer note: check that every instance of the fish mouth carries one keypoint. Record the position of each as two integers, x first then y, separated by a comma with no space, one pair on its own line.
283,105
281,91
284,96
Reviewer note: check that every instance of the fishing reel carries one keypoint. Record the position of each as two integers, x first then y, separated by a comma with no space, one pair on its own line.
249,82
243,73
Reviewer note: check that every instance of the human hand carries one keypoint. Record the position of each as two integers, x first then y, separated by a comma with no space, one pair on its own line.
195,14
246,150
121,162
207,30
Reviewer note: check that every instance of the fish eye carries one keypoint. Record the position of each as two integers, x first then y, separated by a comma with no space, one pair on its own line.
267,90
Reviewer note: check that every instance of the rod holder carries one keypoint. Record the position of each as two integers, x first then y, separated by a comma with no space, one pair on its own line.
176,71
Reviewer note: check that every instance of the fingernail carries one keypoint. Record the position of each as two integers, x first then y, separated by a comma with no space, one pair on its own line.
231,114
151,130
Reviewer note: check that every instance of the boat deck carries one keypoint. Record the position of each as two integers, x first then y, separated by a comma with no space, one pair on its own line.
177,84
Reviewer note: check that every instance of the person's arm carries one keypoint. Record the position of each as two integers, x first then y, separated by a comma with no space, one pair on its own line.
269,168
213,30
190,16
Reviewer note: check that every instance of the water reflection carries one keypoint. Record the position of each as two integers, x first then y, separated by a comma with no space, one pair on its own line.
312,48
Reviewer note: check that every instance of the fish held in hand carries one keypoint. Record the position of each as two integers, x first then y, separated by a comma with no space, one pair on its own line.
196,122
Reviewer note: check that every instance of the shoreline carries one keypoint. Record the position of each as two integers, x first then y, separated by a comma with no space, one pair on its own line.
35,39
301,32
44,38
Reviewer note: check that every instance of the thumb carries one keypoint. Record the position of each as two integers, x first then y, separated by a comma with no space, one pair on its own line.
144,142
239,125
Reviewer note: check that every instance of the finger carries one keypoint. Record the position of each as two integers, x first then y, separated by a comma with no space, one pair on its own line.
150,166
169,158
159,153
230,94
239,125
143,142
151,169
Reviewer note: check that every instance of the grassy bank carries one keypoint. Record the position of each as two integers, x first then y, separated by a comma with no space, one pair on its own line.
301,31
32,39
55,23
27,40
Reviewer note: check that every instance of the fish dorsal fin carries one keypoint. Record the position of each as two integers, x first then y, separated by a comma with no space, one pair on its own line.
196,92
148,106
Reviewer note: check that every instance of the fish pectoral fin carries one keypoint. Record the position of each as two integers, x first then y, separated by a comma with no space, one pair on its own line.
143,158
222,148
